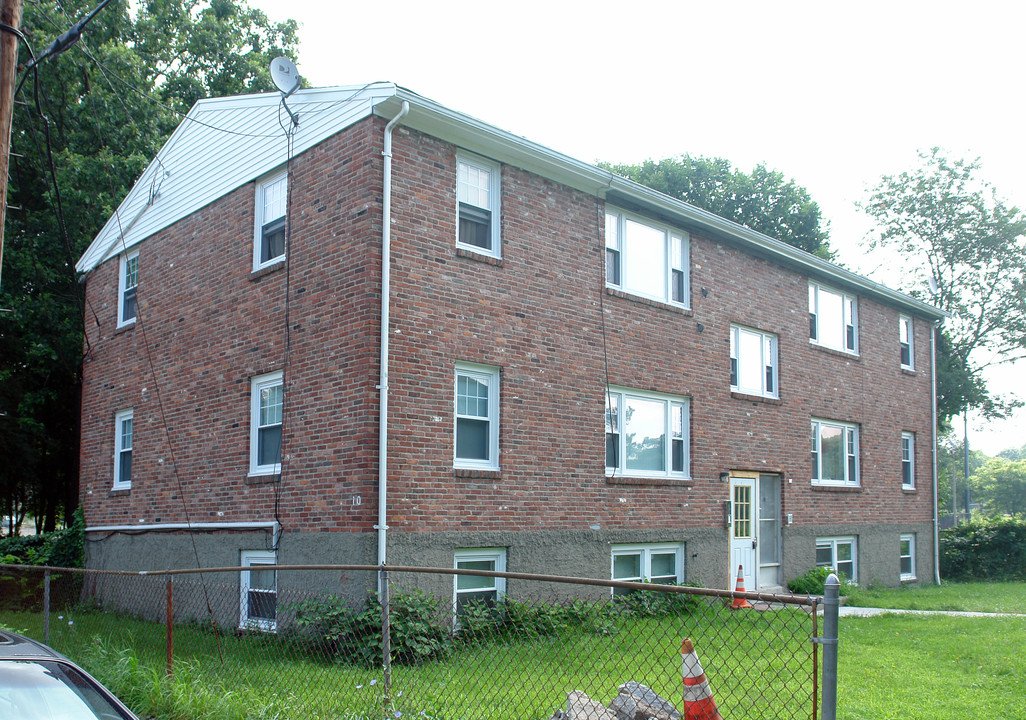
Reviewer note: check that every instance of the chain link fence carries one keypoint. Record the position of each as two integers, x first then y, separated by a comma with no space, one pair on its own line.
506,646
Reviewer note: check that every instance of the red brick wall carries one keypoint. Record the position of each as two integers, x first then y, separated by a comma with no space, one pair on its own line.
536,314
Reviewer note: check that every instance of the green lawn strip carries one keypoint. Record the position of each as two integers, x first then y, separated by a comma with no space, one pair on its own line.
914,667
1000,597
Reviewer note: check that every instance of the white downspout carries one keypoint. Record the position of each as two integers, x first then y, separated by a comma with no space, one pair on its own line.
933,401
386,287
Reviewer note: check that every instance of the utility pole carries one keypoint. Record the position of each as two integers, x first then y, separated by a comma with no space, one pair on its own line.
965,446
10,17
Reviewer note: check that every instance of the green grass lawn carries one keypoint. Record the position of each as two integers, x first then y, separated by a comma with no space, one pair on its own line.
1007,597
893,666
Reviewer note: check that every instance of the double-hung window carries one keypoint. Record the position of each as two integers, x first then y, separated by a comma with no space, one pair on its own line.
835,453
905,342
908,460
662,563
123,422
478,589
753,362
647,259
833,320
266,419
838,553
476,421
269,232
477,191
907,556
258,598
128,278
647,434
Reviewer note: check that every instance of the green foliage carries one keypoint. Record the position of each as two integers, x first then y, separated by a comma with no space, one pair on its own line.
416,632
63,548
763,200
951,226
1000,486
654,604
813,582
985,549
111,101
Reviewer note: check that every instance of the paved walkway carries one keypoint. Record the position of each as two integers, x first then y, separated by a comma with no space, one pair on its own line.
852,611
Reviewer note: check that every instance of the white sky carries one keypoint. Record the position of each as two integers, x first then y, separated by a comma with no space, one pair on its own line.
833,95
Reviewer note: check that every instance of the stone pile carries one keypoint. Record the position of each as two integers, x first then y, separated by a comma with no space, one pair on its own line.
634,702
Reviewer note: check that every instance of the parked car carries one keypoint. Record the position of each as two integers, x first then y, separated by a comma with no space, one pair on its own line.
38,683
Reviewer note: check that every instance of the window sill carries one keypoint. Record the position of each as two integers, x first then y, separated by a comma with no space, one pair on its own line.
908,579
263,479
120,491
649,481
756,398
267,269
480,256
908,490
477,474
821,487
124,328
651,302
908,371
846,354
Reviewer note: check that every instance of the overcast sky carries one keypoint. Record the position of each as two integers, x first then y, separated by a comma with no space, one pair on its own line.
833,95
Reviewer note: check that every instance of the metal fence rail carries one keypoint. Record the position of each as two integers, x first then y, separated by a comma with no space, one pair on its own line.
550,647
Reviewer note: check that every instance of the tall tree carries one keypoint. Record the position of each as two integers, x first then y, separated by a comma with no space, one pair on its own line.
953,230
1000,486
104,108
764,200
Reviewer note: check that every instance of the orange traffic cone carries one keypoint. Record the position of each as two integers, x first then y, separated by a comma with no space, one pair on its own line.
698,699
740,602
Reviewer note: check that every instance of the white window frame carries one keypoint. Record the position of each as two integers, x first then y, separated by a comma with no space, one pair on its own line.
130,258
120,439
832,543
615,424
645,551
489,376
495,555
767,361
848,320
910,538
251,558
259,221
676,259
257,384
906,340
908,458
494,205
850,439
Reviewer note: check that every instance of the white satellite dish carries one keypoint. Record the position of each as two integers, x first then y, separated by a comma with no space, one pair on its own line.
285,75
933,286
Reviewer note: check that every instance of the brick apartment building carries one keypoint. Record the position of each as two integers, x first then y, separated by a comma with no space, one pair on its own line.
583,377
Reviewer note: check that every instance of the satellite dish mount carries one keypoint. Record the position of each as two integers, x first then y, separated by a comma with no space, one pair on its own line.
286,78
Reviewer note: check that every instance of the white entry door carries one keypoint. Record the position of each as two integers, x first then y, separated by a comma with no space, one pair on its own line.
744,539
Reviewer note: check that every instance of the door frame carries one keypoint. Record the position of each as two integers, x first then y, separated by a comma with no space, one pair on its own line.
753,478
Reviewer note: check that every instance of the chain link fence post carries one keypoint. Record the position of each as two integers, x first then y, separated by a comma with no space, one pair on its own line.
46,606
170,632
386,637
831,605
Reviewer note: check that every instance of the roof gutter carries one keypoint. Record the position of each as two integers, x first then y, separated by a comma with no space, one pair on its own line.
386,289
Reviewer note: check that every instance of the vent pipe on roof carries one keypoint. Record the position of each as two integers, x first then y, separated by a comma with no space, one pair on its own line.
386,263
